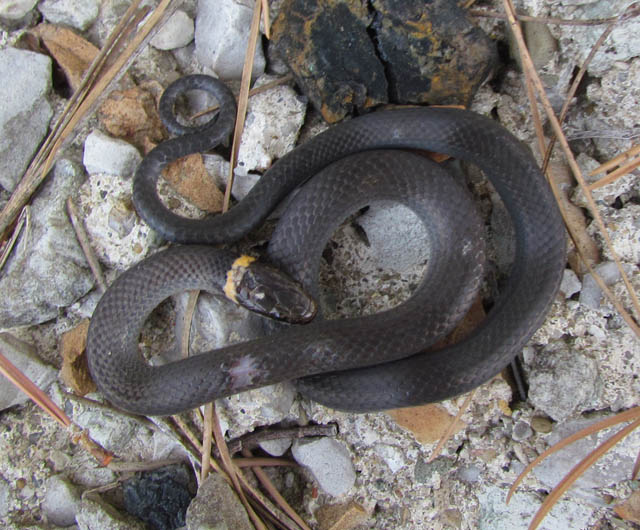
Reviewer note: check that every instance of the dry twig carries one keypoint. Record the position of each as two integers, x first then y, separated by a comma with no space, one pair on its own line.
83,239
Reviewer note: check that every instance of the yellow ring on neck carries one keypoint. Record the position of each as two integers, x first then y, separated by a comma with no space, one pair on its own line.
234,275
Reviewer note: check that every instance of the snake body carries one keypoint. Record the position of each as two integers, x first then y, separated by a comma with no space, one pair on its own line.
368,363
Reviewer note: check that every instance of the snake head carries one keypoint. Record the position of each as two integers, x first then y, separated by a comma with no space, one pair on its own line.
272,293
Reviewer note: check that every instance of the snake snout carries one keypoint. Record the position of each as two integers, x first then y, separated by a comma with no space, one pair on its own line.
270,292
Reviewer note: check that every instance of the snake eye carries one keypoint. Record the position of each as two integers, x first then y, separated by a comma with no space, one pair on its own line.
271,293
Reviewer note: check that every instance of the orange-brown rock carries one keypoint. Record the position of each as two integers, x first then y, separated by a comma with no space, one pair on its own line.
75,370
72,53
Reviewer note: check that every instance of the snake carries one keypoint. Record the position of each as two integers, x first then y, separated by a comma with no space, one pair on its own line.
366,363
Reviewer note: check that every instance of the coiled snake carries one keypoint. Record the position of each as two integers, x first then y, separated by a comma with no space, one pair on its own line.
367,363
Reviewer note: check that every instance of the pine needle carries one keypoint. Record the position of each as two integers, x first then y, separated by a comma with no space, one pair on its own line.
243,99
577,471
628,415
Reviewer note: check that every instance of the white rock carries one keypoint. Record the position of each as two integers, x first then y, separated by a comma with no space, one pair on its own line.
222,33
276,447
624,231
392,456
61,502
570,284
271,128
104,154
25,112
119,237
95,514
177,32
16,9
329,462
268,405
25,358
74,13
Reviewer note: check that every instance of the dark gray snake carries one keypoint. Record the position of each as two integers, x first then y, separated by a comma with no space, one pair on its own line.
367,363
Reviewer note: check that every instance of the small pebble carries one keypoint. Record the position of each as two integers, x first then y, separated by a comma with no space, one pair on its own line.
521,431
541,424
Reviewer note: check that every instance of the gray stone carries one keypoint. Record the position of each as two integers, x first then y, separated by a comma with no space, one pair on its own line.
329,461
540,42
570,284
563,381
397,238
177,32
47,269
591,295
104,154
61,501
217,507
74,13
16,9
276,447
222,33
95,514
612,468
432,472
521,431
25,359
25,112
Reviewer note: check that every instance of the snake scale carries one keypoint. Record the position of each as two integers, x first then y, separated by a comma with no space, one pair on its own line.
367,363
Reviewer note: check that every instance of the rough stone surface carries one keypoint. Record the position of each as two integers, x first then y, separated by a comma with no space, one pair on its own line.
570,283
348,56
611,468
47,269
431,52
222,33
563,382
314,37
118,235
103,154
24,357
25,112
329,462
178,31
625,236
591,295
96,514
61,501
79,15
271,127
217,506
